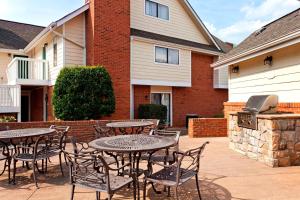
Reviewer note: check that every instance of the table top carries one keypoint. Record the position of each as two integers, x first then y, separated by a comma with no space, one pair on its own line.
132,143
129,124
22,133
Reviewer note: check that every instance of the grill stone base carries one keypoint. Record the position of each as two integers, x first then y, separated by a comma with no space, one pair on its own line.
276,142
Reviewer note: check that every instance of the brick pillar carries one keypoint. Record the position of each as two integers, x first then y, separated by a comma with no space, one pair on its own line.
108,44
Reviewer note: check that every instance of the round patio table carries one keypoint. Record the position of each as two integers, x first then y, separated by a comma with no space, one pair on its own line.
134,145
129,127
25,133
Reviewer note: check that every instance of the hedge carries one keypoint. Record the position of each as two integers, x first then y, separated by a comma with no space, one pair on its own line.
153,111
83,93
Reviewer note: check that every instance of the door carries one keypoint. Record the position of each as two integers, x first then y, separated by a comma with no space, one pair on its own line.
25,100
23,70
163,99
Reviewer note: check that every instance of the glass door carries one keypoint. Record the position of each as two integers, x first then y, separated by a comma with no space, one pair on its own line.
163,99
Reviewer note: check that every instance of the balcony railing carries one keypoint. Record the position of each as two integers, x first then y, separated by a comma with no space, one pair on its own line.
28,71
10,99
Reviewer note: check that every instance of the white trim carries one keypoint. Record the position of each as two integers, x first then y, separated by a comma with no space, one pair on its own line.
201,23
287,40
131,102
64,45
44,103
13,51
174,45
161,83
54,25
84,41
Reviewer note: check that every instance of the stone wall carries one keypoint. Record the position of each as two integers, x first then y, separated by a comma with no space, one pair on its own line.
207,127
276,142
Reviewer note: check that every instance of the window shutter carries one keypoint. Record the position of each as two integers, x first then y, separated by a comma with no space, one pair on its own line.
221,78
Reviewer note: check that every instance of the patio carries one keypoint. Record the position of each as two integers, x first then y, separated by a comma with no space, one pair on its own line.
224,175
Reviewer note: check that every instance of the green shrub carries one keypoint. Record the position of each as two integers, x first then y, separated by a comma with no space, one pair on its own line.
83,93
153,111
5,119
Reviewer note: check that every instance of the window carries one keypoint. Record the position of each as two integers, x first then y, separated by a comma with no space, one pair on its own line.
221,78
166,55
55,53
157,10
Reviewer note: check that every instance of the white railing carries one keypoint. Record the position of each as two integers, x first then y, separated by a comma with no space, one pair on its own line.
27,71
10,99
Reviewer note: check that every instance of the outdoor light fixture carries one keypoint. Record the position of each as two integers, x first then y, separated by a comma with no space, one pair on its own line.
235,69
268,61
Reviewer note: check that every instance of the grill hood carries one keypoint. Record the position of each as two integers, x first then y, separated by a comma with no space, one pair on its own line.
262,104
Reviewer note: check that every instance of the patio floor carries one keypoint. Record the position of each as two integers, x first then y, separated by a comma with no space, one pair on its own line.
224,175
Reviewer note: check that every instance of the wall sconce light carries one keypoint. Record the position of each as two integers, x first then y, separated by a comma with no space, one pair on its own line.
235,69
146,97
268,61
46,44
9,54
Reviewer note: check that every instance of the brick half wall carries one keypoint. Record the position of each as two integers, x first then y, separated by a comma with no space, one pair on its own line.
207,127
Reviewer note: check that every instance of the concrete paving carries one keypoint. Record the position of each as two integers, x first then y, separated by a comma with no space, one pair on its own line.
224,175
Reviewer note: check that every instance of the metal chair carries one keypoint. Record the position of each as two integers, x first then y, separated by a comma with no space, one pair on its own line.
90,170
33,154
6,157
186,166
102,131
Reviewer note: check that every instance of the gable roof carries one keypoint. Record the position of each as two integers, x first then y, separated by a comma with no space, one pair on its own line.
15,35
271,32
198,19
56,24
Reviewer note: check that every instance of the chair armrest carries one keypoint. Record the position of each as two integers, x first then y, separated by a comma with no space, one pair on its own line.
117,169
162,165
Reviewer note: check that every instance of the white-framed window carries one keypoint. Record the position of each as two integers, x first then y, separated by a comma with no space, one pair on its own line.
166,55
55,52
157,10
221,78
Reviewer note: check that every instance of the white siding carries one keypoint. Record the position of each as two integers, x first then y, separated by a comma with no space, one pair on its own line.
180,24
282,78
144,68
4,61
74,30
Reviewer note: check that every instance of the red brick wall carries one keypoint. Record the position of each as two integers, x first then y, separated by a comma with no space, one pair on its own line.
37,107
201,98
83,130
207,127
141,96
108,44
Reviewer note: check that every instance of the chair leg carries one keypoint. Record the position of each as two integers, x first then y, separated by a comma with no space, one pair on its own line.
198,188
110,196
72,191
144,189
169,192
14,173
98,195
66,161
9,163
176,193
60,164
34,174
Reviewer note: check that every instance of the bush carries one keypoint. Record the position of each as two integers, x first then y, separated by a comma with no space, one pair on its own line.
153,111
83,93
5,119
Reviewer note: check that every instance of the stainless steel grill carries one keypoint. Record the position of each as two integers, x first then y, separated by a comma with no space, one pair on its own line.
261,104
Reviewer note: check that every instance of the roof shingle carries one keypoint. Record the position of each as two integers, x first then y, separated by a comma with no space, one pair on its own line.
15,35
270,32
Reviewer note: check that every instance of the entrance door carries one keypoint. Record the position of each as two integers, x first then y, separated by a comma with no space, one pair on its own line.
25,108
23,71
163,99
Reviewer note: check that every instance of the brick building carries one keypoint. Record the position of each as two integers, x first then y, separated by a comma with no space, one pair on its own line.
155,51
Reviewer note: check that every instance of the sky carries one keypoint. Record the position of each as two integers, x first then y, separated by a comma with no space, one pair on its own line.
230,20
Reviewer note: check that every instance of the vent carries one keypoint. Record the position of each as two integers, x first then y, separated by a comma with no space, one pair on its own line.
259,31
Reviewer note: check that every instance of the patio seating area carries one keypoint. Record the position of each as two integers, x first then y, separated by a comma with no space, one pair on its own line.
223,175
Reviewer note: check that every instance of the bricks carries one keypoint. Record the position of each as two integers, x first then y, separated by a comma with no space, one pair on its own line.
37,108
201,98
207,127
108,44
141,96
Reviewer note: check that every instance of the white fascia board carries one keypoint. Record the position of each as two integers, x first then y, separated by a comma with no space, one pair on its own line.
282,42
13,51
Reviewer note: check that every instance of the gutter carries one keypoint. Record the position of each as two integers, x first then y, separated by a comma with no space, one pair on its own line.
286,38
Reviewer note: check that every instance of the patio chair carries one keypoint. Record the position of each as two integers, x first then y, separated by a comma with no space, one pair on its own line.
5,156
102,131
32,154
90,170
186,166
57,143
